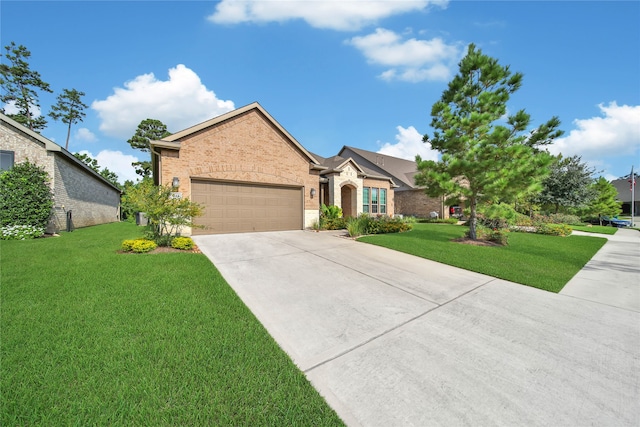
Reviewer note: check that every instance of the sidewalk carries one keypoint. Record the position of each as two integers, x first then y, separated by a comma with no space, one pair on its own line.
612,276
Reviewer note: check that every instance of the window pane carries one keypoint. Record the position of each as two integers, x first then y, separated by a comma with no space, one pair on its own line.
383,196
365,200
6,160
374,196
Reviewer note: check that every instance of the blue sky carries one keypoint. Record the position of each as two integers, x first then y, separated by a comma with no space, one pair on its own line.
333,73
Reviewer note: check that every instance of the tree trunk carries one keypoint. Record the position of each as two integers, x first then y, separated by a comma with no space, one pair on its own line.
66,145
473,220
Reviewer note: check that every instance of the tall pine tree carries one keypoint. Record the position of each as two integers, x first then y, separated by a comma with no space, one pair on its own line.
483,157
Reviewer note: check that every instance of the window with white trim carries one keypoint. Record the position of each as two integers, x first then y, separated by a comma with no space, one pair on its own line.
374,200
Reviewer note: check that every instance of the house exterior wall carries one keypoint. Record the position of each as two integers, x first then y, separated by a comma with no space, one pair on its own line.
24,147
348,176
378,183
246,148
417,203
90,201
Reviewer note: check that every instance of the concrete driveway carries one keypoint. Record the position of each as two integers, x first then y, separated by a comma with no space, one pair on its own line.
390,339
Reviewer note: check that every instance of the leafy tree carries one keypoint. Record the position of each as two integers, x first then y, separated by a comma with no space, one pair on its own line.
20,85
604,203
25,196
166,214
148,130
568,184
483,158
69,109
104,172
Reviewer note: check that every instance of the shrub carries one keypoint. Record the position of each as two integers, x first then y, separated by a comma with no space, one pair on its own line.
331,211
497,215
333,223
184,243
166,213
561,218
138,245
554,229
385,224
25,196
20,232
495,235
358,226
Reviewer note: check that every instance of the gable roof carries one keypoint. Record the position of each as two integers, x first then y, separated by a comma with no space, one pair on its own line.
337,163
173,141
401,170
624,189
54,148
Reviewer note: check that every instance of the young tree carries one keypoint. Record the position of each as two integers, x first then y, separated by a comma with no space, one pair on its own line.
69,109
569,184
167,214
148,130
604,203
482,157
20,85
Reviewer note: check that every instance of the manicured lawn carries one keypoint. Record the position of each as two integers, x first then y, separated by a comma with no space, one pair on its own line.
545,262
93,337
595,229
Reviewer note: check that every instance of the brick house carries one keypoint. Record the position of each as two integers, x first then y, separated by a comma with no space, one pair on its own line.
250,174
410,199
77,188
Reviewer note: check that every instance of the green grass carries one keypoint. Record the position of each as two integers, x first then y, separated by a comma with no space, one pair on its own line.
93,337
600,229
545,262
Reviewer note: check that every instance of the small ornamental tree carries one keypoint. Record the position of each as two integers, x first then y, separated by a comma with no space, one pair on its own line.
25,196
604,203
166,213
484,156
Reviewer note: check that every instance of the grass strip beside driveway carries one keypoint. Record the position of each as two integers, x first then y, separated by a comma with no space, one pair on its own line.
544,262
93,337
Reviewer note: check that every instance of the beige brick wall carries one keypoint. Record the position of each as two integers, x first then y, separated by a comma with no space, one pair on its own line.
24,147
378,183
247,148
417,203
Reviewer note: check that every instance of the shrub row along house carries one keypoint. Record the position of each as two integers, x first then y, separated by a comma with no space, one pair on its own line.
250,174
81,195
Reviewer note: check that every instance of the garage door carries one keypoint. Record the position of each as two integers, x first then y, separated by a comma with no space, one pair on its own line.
239,208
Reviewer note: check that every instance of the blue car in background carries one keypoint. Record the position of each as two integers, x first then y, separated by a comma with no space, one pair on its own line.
615,222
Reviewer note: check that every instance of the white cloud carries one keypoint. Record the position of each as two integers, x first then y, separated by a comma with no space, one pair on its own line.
409,143
11,108
615,133
331,14
116,162
179,102
409,60
84,134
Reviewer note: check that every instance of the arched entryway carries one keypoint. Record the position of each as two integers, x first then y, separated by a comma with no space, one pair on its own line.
348,200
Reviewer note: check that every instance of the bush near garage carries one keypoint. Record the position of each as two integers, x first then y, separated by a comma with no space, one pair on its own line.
182,243
138,246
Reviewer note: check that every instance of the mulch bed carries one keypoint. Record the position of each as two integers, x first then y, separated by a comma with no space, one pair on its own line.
468,241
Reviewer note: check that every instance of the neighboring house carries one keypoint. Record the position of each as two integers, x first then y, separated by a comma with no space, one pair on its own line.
250,174
624,195
410,199
79,192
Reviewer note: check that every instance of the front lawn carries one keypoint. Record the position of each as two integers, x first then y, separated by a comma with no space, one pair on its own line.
600,229
545,262
93,337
